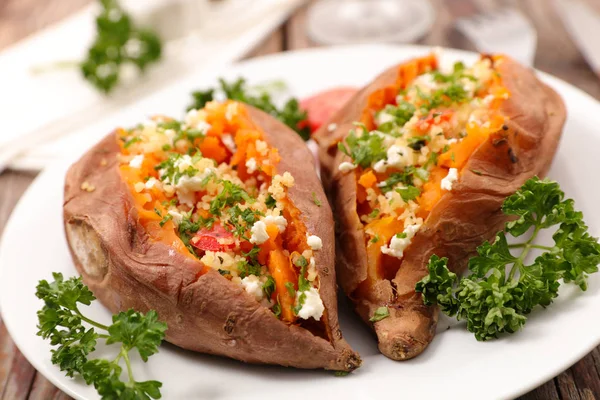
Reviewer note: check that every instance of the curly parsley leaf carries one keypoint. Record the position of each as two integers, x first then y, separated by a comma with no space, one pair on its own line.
118,42
502,289
61,321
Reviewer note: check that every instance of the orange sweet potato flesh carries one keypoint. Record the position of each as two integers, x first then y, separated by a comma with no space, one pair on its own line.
493,167
205,312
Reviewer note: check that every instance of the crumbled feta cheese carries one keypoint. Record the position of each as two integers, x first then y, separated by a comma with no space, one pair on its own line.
383,117
251,165
280,221
150,183
380,166
331,127
253,286
314,242
177,216
312,306
259,233
397,156
139,187
447,182
261,147
136,162
188,185
346,166
400,242
452,141
228,141
183,163
203,126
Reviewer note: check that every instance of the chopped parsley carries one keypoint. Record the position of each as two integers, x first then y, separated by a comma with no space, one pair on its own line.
401,114
380,313
315,200
229,196
364,149
405,177
290,114
269,287
409,193
270,202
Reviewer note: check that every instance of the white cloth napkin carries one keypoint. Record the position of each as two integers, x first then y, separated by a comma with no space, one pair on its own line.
43,107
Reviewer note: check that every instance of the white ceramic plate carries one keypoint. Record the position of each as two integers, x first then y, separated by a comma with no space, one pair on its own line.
454,366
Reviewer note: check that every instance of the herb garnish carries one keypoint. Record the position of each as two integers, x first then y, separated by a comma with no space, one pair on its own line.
316,200
118,42
409,193
364,149
290,114
495,299
379,314
61,321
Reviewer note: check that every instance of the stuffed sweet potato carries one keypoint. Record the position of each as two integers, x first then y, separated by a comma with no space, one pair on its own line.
418,163
220,224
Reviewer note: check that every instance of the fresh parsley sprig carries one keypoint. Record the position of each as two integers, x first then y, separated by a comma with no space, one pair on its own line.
118,42
61,321
259,97
502,288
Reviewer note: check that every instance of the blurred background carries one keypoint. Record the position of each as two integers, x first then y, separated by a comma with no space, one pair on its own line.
64,63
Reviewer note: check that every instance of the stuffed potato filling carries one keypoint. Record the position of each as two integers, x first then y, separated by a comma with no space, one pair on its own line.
209,187
411,145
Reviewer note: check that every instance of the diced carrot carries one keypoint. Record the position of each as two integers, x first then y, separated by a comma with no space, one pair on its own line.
432,191
368,179
211,147
459,153
282,272
383,229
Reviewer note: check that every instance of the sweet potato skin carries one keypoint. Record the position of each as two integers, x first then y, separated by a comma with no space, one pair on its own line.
204,311
459,222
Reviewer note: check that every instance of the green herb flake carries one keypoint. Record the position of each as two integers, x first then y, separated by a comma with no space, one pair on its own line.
316,200
380,313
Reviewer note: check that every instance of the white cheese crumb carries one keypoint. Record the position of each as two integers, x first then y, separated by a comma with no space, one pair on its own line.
136,162
314,242
380,166
280,221
259,233
383,117
228,141
399,244
447,182
331,127
346,166
313,305
251,165
452,141
139,186
150,183
253,286
177,216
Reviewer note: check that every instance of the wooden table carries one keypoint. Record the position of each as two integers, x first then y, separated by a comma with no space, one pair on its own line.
556,54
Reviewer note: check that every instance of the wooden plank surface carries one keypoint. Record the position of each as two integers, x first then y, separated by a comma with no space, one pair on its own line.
556,54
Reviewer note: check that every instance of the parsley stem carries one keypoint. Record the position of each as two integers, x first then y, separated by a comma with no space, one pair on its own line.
533,246
89,321
526,248
125,354
57,65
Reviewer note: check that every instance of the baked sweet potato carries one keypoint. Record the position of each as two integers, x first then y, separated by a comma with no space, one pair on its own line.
220,224
418,163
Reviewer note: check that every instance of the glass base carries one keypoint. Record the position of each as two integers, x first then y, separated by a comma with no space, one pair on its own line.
360,21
